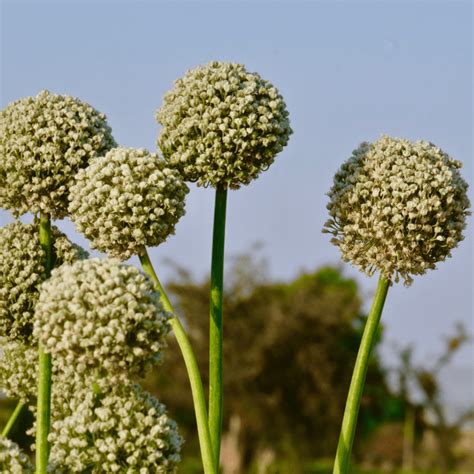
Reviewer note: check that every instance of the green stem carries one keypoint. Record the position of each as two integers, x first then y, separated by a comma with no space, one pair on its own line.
349,422
408,438
44,378
216,391
13,417
194,375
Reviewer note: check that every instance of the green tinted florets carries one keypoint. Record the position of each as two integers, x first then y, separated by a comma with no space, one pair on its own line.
103,316
122,430
19,376
397,207
221,125
18,370
44,141
12,459
22,272
127,200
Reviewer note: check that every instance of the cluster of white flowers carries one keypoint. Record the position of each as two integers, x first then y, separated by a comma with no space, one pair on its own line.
12,459
221,125
18,369
102,320
44,141
127,200
19,376
122,430
397,207
22,272
96,425
103,316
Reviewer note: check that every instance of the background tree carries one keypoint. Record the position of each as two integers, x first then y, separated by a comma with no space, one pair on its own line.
425,379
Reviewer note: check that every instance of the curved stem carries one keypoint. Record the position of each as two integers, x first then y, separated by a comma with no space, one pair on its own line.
13,417
349,422
216,391
44,378
194,375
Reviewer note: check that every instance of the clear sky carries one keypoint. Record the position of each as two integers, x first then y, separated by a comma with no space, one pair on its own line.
348,71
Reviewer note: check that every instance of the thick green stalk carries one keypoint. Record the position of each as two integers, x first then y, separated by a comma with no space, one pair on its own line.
13,417
216,391
194,375
349,422
44,378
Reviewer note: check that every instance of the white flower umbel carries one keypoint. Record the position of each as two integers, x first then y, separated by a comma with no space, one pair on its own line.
12,459
127,200
103,316
18,370
397,207
44,141
121,430
22,272
222,125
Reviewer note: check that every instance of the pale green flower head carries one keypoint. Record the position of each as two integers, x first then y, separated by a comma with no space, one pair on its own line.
122,430
12,459
22,272
101,315
19,376
222,125
397,207
44,141
18,370
126,200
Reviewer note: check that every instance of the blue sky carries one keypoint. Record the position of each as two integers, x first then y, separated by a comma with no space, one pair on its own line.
348,71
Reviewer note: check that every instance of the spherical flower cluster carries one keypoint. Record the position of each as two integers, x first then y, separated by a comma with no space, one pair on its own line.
103,316
12,459
22,271
44,141
122,430
221,125
127,200
397,207
18,370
